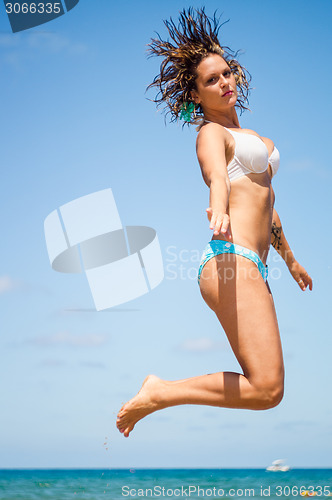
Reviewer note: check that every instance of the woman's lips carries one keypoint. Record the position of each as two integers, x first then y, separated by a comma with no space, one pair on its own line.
230,92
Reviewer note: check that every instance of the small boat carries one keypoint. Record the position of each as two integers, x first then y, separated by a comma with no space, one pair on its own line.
278,466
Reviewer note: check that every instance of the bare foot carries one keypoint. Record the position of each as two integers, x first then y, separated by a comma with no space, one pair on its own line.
146,401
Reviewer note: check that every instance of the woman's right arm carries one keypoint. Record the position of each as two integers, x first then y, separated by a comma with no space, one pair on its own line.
211,154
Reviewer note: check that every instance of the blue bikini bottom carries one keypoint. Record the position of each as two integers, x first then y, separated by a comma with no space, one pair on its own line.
216,247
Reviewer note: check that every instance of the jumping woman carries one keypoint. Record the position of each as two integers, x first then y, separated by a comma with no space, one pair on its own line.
202,82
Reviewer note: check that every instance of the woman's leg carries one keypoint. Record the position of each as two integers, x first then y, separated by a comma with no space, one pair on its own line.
233,288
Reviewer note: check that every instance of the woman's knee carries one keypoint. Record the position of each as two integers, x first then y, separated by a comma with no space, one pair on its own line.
269,392
274,395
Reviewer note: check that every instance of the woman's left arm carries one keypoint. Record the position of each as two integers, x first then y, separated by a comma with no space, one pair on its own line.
279,242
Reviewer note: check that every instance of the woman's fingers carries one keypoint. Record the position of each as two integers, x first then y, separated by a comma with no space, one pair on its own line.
305,280
213,221
212,216
302,284
300,281
301,276
225,223
209,213
219,222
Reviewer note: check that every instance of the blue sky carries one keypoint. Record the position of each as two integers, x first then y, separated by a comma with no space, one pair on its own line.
75,120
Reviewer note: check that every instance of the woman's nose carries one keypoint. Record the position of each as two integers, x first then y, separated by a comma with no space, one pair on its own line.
223,80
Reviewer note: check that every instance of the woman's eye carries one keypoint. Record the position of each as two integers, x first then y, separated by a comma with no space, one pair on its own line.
211,79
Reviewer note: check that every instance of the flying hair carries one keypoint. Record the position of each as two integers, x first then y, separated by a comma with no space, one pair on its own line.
193,39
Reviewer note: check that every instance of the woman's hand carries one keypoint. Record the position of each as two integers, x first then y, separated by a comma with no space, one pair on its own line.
220,222
300,275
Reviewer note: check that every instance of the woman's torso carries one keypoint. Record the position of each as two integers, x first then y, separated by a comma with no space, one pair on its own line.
251,198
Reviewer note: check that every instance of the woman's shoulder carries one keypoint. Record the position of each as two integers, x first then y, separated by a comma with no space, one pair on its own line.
212,141
208,130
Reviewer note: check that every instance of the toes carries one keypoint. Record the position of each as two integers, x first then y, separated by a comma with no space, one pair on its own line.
128,430
123,421
121,425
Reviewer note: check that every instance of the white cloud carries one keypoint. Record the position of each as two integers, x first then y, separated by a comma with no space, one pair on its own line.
92,364
18,48
8,40
53,42
52,363
299,165
202,344
7,284
69,339
290,425
308,165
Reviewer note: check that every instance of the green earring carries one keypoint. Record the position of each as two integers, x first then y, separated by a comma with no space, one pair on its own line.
186,109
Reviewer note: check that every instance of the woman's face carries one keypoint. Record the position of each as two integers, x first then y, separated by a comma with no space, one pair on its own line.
215,85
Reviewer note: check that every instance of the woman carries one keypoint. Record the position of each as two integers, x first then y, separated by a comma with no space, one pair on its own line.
200,78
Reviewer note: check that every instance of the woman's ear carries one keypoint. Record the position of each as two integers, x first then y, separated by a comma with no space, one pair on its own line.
194,96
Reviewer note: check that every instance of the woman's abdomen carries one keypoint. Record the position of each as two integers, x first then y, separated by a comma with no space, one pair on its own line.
250,211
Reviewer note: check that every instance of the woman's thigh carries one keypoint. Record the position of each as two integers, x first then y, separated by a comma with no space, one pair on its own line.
234,289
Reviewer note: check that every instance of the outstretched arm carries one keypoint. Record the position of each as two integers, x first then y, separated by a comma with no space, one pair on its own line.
211,155
280,244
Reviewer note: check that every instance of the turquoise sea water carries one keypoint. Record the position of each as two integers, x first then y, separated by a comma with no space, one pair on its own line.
163,483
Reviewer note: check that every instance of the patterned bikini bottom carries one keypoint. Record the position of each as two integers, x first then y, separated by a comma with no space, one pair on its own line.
217,247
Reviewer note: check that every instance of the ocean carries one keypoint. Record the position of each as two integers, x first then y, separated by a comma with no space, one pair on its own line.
118,484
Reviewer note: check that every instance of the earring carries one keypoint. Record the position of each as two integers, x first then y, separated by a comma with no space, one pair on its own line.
186,109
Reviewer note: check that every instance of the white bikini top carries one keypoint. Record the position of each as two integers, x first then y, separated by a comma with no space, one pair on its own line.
250,156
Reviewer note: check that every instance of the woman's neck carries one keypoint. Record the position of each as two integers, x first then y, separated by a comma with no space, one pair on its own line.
227,119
